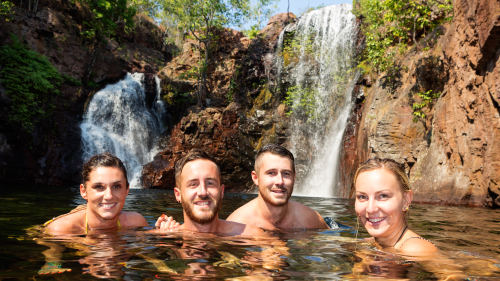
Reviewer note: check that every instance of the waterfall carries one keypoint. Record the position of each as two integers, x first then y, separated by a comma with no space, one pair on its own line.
118,120
316,68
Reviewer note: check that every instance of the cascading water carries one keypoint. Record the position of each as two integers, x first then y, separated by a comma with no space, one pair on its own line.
315,68
118,121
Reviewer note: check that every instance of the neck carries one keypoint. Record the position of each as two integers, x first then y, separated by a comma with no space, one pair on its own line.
273,214
392,239
196,227
96,222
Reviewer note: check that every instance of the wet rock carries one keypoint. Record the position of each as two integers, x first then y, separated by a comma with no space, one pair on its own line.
452,155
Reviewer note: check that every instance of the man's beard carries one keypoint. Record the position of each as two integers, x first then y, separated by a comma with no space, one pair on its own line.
267,197
207,217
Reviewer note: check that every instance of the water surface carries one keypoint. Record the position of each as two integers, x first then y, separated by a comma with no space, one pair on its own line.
469,237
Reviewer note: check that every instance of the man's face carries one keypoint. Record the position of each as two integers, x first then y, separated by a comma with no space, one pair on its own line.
275,179
200,191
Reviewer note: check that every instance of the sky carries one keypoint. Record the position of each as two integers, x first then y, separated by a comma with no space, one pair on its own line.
298,7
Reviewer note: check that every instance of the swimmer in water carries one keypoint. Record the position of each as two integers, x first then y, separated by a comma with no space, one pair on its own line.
199,190
105,187
274,174
383,198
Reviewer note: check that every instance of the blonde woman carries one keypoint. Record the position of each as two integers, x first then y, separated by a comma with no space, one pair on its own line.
383,198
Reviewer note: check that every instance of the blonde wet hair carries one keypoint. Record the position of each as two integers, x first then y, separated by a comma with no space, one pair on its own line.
395,168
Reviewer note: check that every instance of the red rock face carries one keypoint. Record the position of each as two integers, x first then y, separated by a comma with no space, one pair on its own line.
243,113
213,130
453,155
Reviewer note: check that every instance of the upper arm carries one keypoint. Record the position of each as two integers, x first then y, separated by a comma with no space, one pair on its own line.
417,246
61,226
136,220
311,218
238,216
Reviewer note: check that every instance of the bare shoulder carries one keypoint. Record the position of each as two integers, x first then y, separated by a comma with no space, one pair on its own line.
236,228
418,246
244,213
71,223
132,219
308,217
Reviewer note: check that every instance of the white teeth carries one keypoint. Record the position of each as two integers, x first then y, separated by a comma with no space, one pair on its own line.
108,205
375,220
202,203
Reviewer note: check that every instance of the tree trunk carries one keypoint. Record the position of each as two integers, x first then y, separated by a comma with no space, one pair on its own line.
202,89
91,65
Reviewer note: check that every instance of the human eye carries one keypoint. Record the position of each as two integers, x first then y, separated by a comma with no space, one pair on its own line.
211,183
117,186
192,184
99,187
384,196
361,197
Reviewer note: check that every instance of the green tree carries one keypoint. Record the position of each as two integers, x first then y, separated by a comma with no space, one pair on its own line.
6,9
106,15
201,18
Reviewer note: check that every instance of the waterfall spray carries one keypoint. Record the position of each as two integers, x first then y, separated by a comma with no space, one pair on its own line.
117,120
315,68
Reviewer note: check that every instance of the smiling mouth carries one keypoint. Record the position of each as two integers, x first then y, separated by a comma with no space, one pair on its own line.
107,206
202,203
375,220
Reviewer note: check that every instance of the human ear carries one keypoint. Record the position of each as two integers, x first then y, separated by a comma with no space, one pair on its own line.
408,197
83,191
128,189
255,178
222,191
177,193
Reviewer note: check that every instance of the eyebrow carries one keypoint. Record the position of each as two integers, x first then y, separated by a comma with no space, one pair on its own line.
96,183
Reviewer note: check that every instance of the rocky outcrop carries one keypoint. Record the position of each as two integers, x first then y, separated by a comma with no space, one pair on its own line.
244,110
452,155
51,153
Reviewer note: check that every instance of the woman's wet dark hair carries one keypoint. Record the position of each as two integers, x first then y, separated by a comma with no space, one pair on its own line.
105,159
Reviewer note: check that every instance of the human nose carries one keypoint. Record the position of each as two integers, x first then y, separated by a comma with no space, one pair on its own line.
372,206
202,190
280,181
108,194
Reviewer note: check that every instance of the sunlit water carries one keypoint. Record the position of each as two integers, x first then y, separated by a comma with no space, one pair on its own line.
297,254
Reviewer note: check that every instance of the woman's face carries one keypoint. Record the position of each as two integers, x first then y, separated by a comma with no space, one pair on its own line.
105,192
380,203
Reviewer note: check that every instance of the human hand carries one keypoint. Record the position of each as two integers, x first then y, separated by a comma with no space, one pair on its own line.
165,224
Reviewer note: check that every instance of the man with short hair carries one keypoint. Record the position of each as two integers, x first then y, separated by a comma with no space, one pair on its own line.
274,174
199,190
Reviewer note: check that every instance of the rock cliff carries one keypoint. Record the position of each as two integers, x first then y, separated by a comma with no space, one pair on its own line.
453,154
51,153
244,110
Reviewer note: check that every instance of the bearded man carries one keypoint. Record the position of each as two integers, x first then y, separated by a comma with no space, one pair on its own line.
274,174
199,190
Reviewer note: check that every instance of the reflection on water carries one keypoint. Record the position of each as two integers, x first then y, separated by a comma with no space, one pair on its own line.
469,236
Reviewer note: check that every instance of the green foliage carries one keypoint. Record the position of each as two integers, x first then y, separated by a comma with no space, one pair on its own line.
92,84
419,107
192,73
202,18
105,16
302,98
293,47
71,80
6,9
390,24
252,32
31,82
